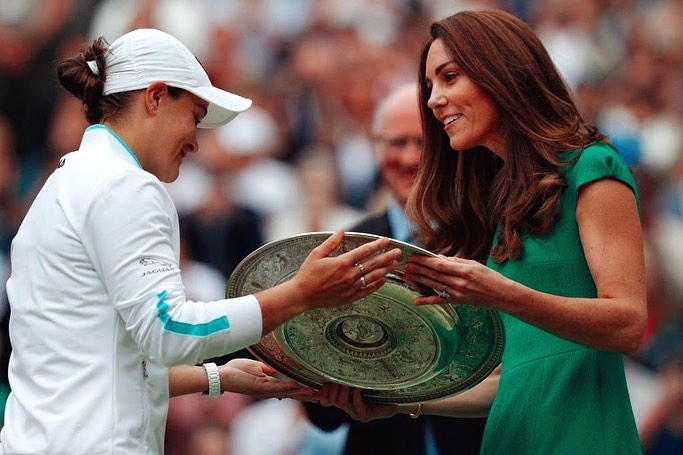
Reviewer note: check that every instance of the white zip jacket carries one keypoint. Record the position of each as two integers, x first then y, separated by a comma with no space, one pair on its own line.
99,310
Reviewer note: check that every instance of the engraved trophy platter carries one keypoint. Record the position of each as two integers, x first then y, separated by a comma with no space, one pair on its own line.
395,351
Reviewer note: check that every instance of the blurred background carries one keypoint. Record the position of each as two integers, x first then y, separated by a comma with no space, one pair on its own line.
301,159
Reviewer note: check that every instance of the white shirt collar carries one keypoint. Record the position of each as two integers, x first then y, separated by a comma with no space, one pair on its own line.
96,134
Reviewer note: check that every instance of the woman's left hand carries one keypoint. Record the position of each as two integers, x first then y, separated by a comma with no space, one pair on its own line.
457,280
350,400
259,380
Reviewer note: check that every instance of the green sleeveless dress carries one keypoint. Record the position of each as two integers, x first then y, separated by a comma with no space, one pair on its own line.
556,396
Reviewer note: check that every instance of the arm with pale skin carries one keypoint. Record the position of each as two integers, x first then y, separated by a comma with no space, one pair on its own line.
607,217
245,376
322,281
474,402
611,237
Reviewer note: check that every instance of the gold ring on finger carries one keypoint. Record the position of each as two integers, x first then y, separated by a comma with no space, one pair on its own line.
363,284
361,267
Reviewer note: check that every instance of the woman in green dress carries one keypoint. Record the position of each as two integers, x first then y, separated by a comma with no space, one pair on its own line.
537,217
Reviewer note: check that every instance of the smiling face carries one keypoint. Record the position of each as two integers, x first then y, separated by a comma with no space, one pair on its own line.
174,134
399,141
469,115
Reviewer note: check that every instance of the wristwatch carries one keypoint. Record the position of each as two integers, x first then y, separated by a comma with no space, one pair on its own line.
214,380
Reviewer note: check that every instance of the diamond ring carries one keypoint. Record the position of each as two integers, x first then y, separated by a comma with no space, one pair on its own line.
443,294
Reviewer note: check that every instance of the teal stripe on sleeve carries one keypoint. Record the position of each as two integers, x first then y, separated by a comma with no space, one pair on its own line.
184,328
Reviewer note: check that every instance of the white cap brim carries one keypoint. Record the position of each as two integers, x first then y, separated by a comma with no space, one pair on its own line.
223,106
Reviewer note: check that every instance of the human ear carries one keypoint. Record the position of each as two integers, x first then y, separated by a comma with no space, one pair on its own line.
153,95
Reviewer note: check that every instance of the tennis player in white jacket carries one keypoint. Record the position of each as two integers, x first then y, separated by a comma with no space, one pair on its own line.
98,309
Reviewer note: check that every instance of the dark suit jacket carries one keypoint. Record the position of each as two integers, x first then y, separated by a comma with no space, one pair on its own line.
399,434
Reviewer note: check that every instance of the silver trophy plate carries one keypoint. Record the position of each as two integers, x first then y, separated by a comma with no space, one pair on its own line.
395,351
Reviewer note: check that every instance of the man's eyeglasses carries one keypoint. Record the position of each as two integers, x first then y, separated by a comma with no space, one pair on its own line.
400,142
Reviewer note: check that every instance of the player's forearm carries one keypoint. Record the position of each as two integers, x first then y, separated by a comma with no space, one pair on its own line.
475,402
186,379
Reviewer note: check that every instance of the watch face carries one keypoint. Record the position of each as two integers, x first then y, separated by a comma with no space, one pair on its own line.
395,351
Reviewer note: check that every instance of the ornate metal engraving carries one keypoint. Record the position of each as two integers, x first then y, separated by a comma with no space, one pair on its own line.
395,351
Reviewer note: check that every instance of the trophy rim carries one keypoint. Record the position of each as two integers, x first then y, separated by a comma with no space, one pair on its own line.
457,365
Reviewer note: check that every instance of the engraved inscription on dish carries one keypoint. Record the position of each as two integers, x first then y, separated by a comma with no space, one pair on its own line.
395,351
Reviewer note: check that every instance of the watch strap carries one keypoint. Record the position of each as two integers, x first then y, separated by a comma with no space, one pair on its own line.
214,380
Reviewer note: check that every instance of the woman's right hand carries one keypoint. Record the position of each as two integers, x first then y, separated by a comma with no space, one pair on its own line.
351,401
326,281
474,402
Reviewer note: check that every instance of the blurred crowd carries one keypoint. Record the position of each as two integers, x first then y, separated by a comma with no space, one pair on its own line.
301,159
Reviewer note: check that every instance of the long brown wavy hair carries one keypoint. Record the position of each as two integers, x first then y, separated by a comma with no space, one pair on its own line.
460,197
